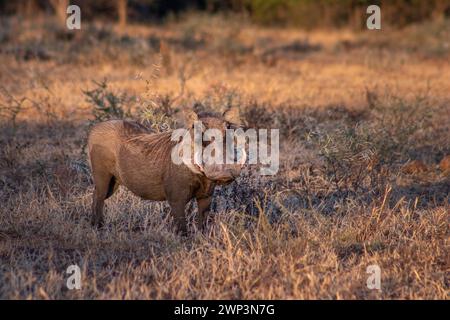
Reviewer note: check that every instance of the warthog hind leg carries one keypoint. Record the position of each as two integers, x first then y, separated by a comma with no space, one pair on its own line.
104,188
178,213
105,183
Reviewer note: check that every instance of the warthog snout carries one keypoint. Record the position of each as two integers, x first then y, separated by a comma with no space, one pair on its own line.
227,175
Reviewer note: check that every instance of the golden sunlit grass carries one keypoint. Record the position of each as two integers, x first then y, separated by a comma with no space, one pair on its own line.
353,109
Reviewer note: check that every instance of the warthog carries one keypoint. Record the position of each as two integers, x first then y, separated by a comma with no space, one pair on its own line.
127,153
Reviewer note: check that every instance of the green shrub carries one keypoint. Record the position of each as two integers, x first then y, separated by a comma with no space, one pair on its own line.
107,104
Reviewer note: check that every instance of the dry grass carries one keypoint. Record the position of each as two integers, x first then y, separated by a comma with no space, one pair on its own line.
352,109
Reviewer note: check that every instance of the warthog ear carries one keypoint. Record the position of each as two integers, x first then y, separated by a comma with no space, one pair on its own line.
186,118
233,116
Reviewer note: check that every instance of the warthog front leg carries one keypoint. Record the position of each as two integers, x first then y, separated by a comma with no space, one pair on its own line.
203,212
178,212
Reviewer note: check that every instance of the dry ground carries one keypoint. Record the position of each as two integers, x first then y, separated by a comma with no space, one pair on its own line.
353,109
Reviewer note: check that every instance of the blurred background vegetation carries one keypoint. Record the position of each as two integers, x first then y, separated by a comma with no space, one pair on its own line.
307,14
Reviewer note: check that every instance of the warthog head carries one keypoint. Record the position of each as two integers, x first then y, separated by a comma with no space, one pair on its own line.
214,150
